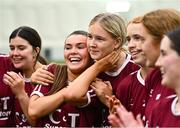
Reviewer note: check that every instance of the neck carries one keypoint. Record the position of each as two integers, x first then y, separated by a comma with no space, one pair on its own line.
27,73
38,65
144,71
72,76
122,58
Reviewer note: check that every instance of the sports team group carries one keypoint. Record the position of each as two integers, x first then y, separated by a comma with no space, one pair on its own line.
115,74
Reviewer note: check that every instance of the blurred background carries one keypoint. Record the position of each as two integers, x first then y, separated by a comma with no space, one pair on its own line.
55,19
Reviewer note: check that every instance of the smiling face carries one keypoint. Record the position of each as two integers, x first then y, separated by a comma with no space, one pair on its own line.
168,61
100,42
135,38
76,53
21,53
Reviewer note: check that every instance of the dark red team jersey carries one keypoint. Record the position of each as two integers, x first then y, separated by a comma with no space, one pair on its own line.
67,115
116,78
165,114
6,95
156,91
132,93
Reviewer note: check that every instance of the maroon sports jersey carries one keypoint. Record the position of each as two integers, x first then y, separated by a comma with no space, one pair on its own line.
116,78
67,115
132,93
6,95
156,91
165,114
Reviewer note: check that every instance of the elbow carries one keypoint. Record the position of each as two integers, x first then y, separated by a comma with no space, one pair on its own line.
71,97
33,114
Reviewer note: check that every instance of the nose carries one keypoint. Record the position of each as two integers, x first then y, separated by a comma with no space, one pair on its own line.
15,52
131,44
74,50
158,62
92,43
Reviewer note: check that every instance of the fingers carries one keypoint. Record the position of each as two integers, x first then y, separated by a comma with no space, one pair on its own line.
5,79
139,120
49,75
9,78
114,121
108,83
43,80
12,78
42,76
93,87
20,75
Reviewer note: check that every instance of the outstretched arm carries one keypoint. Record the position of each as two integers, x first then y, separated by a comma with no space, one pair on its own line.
78,89
41,106
81,84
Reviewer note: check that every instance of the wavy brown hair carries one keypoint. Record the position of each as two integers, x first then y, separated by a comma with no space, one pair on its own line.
60,80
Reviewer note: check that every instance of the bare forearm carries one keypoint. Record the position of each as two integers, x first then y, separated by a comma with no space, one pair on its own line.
41,106
80,85
24,103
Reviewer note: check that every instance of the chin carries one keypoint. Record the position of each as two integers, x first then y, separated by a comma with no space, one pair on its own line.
95,58
17,66
149,64
165,82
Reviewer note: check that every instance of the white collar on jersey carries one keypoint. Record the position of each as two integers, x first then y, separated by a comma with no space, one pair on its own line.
116,73
139,77
27,79
174,110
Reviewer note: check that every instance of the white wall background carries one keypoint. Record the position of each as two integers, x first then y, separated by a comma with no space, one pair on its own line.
55,19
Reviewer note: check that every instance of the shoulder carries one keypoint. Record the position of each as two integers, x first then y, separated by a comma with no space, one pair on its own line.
53,67
4,58
127,82
164,103
153,74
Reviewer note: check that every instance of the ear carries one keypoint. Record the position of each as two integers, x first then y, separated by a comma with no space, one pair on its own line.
118,44
36,52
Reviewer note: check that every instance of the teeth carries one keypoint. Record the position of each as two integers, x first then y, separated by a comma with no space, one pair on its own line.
16,60
75,59
74,62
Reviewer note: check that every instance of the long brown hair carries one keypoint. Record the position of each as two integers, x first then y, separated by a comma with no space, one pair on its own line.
60,80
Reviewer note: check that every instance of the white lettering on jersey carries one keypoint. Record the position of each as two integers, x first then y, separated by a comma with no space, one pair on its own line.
151,91
4,100
4,114
49,126
51,117
72,115
158,96
73,118
22,118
